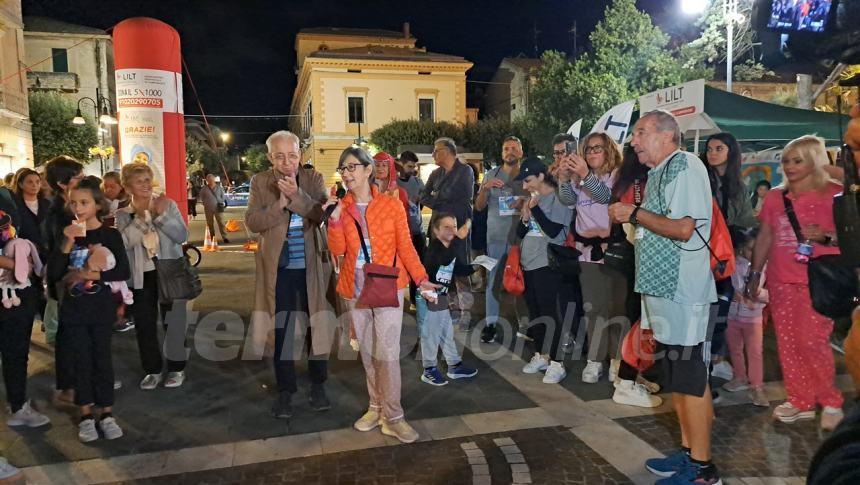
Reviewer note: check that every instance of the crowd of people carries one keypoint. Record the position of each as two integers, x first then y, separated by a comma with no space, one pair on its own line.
360,252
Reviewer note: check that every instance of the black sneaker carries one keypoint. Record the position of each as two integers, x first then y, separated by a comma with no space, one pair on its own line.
282,409
318,400
488,334
225,241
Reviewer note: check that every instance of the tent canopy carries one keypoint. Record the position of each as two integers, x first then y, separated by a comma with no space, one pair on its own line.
753,120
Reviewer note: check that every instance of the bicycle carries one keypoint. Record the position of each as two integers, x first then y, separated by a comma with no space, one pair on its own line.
192,254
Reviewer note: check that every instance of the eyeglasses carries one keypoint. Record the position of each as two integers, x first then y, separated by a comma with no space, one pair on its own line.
349,168
559,153
593,149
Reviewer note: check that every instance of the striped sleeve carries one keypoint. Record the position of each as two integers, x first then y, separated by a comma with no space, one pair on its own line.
566,194
600,193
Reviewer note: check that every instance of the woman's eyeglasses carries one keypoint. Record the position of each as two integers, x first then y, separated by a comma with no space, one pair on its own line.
593,149
348,168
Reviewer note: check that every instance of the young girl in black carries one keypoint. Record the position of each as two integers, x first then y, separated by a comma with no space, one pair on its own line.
87,306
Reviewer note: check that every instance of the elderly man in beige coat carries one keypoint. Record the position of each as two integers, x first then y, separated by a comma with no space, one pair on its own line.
294,285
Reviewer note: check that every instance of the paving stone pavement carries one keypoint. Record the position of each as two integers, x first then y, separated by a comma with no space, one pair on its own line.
746,440
553,455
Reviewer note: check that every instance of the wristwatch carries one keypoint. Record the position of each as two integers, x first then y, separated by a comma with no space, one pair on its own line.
633,219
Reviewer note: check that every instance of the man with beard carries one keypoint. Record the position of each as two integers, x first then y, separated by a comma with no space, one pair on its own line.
498,194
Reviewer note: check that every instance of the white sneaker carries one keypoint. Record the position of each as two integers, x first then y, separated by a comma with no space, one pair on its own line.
632,394
536,365
27,416
8,473
723,370
87,431
110,429
150,382
614,364
592,372
174,379
554,373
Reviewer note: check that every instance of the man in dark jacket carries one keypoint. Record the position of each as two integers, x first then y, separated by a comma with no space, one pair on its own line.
450,189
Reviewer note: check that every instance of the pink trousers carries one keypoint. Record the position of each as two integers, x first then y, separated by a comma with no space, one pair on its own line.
378,333
803,342
746,338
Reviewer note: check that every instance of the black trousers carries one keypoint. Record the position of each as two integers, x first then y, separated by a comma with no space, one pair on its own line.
16,327
725,292
92,360
291,309
146,310
420,243
64,357
542,298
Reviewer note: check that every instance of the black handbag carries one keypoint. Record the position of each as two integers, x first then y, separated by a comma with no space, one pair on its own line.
846,211
177,280
620,254
563,259
833,284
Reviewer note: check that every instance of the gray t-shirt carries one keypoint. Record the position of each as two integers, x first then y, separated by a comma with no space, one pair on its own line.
533,248
501,218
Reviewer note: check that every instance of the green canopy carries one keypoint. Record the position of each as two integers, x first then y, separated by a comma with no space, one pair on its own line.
751,120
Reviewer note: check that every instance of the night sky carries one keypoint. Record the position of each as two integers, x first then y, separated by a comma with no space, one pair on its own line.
241,53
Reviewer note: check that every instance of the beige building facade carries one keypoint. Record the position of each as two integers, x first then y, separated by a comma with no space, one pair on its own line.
353,81
72,59
16,141
507,94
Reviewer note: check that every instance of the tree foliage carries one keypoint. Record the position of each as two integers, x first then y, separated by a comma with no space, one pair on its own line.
630,56
200,157
711,48
53,131
255,158
413,132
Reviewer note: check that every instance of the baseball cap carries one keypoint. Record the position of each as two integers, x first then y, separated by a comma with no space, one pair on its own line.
531,166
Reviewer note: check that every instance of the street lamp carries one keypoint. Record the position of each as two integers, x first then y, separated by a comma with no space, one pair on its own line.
731,15
225,137
103,109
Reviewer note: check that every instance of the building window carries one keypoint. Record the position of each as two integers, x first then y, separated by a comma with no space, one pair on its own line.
425,109
61,60
355,109
309,118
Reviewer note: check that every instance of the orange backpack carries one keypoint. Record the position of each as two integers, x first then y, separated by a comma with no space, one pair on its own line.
720,245
514,282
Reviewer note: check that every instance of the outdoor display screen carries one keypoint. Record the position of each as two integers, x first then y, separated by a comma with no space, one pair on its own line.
799,15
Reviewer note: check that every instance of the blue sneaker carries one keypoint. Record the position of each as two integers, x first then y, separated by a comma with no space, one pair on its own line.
693,474
672,464
460,371
433,377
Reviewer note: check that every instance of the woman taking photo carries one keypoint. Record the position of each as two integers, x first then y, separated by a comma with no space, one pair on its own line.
151,227
544,220
368,215
588,181
802,334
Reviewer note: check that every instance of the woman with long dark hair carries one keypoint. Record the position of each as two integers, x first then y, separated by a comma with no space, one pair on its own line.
722,157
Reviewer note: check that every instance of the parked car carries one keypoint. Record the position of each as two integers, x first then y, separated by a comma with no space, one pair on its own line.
238,195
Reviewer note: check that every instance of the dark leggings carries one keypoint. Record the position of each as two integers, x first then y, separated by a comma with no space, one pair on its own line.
146,310
16,327
542,297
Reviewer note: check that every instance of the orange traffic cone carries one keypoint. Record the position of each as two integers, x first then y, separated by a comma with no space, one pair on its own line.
207,241
214,246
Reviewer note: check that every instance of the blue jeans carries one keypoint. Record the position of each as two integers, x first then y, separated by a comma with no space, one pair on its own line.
438,329
420,311
497,251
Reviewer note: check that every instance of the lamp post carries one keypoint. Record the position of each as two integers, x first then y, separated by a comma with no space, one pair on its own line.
103,110
731,15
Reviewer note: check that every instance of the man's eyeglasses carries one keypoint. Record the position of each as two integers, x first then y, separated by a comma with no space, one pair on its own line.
559,153
349,168
593,149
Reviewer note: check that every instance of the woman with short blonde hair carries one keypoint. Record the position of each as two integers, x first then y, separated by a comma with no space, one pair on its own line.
802,334
152,228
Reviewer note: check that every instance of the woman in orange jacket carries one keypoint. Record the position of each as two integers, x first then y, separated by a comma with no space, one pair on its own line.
384,229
